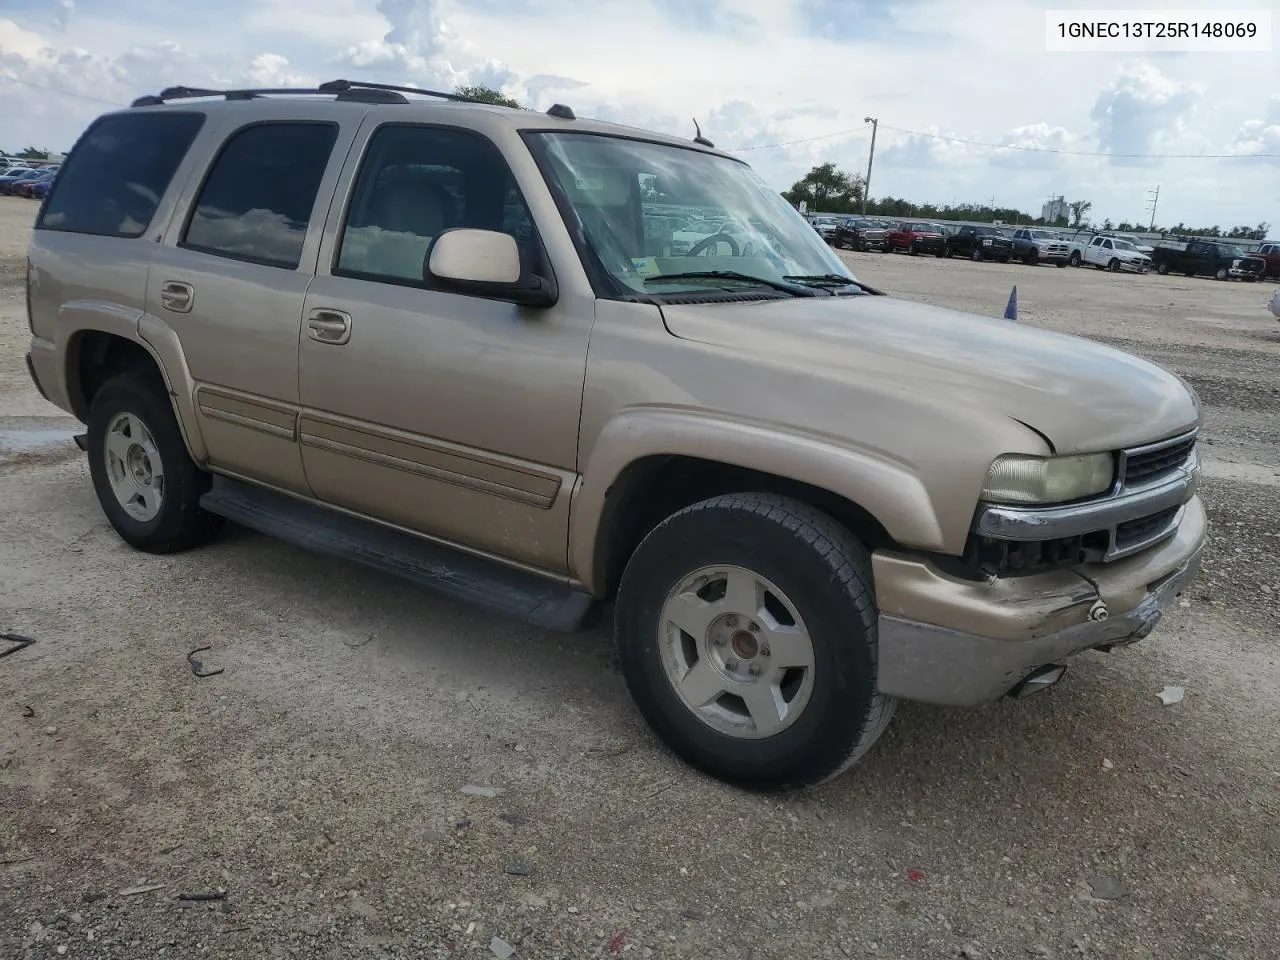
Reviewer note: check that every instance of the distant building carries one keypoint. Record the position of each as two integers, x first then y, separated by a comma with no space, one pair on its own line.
1055,209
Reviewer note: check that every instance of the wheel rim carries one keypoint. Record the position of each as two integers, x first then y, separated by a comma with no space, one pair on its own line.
736,652
134,468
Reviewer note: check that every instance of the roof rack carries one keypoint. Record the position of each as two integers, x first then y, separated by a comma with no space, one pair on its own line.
191,93
346,90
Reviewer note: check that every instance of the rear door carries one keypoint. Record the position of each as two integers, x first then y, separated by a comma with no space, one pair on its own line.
232,272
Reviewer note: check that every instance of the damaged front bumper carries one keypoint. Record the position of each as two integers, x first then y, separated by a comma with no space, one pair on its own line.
949,641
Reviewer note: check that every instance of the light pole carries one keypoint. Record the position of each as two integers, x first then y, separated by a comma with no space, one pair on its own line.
866,187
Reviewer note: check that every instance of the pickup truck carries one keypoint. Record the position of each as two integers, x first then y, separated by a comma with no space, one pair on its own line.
1202,258
1109,253
860,234
980,243
916,237
1040,246
1270,252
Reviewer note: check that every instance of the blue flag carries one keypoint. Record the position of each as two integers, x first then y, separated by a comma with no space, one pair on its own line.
1011,311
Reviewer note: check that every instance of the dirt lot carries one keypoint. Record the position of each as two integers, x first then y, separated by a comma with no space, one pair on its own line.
318,779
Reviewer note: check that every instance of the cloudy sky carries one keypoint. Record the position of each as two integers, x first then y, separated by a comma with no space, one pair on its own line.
757,74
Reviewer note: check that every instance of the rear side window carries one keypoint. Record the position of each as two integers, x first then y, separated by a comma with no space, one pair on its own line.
258,197
113,180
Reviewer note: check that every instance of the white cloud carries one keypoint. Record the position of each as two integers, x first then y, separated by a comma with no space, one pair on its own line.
1261,138
1141,111
754,72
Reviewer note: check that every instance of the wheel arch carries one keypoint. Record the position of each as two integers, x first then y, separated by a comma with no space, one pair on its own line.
628,489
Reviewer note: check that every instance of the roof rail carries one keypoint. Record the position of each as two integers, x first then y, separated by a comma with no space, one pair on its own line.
338,86
353,92
358,90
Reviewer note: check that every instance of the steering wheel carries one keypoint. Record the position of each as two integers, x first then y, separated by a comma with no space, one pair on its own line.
715,239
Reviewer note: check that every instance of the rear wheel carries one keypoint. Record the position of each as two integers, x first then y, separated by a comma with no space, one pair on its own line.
147,483
747,633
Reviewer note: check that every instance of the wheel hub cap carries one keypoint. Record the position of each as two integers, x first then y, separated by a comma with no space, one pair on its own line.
736,652
134,469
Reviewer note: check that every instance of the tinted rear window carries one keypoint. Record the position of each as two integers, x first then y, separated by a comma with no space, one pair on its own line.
114,179
257,201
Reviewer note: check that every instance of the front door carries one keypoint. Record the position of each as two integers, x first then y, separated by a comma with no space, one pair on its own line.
450,415
231,279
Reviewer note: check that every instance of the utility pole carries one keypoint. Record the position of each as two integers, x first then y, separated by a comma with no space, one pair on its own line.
866,187
1154,199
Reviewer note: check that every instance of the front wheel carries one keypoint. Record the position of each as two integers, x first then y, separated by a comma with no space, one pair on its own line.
747,634
975,254
1114,265
1221,273
1074,259
147,483
1162,269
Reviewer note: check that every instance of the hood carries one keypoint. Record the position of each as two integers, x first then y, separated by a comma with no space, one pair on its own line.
1081,395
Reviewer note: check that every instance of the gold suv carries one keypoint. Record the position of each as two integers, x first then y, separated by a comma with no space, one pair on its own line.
455,341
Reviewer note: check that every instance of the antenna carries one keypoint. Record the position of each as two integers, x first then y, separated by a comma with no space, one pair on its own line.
700,138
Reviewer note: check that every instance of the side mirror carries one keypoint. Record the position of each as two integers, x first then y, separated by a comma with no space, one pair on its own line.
484,263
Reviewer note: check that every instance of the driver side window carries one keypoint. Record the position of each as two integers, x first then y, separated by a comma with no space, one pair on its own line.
416,182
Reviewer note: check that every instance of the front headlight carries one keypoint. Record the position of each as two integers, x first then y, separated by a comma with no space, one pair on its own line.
1015,478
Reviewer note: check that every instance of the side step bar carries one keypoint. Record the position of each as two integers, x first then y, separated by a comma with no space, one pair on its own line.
514,593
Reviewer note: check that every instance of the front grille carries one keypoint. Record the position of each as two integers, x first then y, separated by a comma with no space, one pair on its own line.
1135,533
1253,266
1153,463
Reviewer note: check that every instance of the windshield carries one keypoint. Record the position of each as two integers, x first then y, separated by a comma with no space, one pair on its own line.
1124,245
625,194
1228,250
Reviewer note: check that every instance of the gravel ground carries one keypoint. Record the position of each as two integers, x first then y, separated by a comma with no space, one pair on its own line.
318,781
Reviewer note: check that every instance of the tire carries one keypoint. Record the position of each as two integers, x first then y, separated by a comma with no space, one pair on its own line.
775,547
975,254
131,423
1007,259
1162,269
1060,264
947,251
1114,265
1221,273
1031,259
915,250
1074,259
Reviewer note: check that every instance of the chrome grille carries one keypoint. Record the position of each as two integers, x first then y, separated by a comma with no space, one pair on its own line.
1156,461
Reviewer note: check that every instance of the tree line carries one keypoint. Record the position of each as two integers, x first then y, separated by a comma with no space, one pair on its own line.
828,189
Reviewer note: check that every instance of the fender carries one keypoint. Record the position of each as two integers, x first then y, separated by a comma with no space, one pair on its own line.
156,338
885,488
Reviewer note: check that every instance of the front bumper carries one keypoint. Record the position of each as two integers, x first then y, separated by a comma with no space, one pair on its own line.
1240,273
956,642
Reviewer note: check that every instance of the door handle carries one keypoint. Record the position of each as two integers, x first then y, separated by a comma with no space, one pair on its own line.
176,296
329,326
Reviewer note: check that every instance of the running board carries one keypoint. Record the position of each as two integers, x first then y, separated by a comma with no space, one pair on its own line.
473,580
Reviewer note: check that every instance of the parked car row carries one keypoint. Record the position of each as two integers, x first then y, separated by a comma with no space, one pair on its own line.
30,182
1036,245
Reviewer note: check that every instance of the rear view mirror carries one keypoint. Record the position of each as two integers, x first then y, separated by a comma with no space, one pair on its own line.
484,263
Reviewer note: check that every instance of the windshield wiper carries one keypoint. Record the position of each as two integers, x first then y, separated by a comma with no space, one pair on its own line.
795,289
824,280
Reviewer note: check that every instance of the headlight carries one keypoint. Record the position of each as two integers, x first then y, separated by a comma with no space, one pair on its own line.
1015,478
986,243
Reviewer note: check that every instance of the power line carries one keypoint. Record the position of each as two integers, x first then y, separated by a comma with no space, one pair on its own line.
1010,146
65,93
